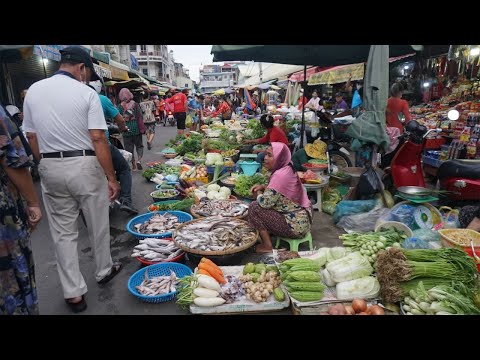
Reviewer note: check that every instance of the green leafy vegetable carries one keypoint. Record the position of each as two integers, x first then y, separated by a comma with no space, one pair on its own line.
244,183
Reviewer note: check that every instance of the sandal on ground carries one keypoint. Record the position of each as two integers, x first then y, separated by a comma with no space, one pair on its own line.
117,266
78,306
139,166
149,145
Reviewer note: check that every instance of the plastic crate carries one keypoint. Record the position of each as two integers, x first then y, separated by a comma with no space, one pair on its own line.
432,161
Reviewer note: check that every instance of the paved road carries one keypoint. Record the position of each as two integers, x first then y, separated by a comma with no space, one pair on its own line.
114,298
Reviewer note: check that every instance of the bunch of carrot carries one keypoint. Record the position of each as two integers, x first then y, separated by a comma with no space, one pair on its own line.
209,268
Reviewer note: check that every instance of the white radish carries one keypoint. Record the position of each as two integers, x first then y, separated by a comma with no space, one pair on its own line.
208,282
205,293
207,302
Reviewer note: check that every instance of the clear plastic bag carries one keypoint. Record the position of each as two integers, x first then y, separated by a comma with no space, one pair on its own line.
352,207
426,235
362,222
415,243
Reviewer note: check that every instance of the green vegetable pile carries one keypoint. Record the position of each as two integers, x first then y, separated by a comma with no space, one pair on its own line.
330,199
454,299
400,270
244,184
255,130
161,169
217,145
189,145
175,206
372,242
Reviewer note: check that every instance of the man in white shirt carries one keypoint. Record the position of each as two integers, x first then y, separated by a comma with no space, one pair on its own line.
65,125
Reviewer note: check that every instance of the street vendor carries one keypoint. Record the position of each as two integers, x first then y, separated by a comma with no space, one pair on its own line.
223,110
317,150
274,134
282,207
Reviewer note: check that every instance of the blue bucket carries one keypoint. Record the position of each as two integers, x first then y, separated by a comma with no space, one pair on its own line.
249,168
182,217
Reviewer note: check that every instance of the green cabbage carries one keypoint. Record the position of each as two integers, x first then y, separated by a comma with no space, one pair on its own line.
363,288
350,267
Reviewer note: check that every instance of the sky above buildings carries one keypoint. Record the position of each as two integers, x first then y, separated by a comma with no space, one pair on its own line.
192,57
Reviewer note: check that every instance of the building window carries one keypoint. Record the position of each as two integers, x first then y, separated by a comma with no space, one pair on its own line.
133,48
143,47
145,71
186,85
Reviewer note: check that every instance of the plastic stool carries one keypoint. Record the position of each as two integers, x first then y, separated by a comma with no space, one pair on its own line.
295,242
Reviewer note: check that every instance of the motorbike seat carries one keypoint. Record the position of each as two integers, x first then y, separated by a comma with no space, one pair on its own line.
469,169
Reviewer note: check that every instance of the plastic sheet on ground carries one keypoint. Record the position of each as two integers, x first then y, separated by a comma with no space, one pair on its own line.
242,305
364,222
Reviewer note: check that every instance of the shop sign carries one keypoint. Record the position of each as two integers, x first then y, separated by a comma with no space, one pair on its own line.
52,52
338,74
119,74
103,71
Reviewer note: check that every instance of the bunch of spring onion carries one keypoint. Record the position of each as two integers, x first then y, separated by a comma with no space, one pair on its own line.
400,270
185,294
454,299
370,243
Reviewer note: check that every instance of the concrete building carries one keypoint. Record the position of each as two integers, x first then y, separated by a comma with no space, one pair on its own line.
213,77
153,61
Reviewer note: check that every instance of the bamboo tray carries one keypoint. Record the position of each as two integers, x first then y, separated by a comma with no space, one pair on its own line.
209,253
197,216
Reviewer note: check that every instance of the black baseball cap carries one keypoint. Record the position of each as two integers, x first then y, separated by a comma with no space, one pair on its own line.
76,54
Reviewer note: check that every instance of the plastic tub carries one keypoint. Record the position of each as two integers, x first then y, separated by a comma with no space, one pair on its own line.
249,168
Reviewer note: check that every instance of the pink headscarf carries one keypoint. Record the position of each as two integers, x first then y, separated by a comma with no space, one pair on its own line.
126,97
284,180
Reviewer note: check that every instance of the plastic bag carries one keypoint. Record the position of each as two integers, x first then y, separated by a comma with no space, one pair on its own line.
369,183
426,235
329,207
126,155
352,207
362,222
415,243
188,121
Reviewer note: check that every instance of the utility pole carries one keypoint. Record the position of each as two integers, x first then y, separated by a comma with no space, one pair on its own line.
260,71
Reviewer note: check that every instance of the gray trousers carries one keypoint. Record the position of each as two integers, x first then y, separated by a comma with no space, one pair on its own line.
131,142
68,186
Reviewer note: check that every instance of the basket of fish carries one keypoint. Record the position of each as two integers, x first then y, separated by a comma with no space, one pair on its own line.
215,235
151,251
228,208
158,224
157,283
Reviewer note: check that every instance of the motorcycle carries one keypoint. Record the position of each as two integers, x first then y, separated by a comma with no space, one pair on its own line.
406,167
461,178
170,119
337,142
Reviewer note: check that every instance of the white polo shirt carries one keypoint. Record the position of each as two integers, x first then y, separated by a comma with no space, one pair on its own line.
61,111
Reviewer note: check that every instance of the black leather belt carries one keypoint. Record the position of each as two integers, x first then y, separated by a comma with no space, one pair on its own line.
73,153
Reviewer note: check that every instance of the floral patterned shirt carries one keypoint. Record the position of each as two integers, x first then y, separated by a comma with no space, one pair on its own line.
298,218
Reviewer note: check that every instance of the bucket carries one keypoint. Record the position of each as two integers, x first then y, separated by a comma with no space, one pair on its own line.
355,173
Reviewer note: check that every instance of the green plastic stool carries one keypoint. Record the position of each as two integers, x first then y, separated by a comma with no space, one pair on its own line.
295,242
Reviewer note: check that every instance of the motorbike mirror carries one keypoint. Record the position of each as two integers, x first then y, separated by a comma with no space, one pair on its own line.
453,115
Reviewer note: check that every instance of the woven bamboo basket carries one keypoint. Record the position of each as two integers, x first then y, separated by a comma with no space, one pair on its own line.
210,253
197,216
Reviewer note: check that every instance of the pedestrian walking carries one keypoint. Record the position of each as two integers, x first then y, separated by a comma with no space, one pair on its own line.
65,126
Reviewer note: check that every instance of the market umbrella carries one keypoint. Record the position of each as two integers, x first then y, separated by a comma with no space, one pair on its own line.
370,125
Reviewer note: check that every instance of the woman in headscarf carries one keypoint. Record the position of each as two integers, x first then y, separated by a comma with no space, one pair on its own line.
282,207
134,121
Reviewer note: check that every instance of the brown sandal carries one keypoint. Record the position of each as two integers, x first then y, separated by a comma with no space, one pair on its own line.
78,306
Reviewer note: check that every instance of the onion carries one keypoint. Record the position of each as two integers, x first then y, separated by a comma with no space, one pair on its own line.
337,309
349,310
376,310
359,305
362,313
